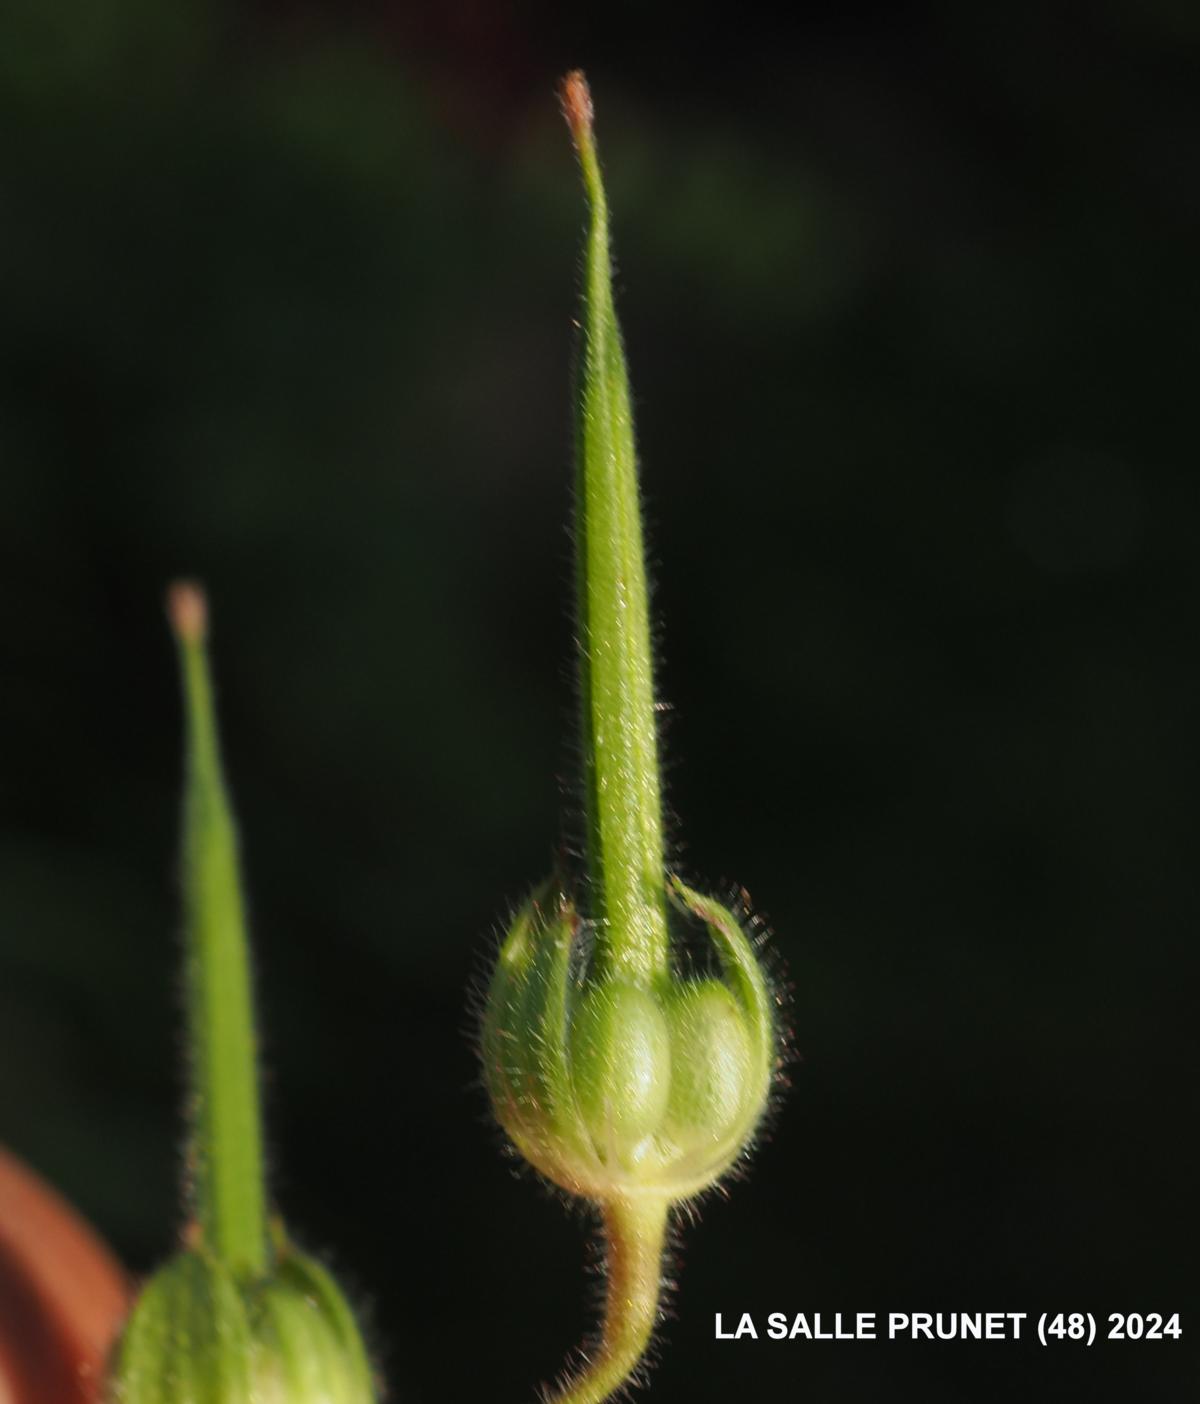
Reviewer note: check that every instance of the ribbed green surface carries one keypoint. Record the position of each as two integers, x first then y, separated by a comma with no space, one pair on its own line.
619,740
225,1154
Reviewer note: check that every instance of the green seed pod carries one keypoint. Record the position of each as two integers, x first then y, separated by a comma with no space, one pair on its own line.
620,1052
239,1316
612,1086
712,1057
618,1071
198,1336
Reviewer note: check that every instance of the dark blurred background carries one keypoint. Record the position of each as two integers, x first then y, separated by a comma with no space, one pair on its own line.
911,304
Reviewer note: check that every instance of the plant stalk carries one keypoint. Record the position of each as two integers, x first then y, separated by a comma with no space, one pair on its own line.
635,1231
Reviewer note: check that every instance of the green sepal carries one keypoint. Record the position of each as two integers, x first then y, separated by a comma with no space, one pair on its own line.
306,1342
188,1339
614,1087
305,1278
198,1335
524,1033
744,975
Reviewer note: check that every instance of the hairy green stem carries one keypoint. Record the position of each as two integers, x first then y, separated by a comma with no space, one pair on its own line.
635,1231
618,725
225,1152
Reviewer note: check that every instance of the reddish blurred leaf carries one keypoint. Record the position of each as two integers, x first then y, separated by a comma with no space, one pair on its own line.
63,1295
